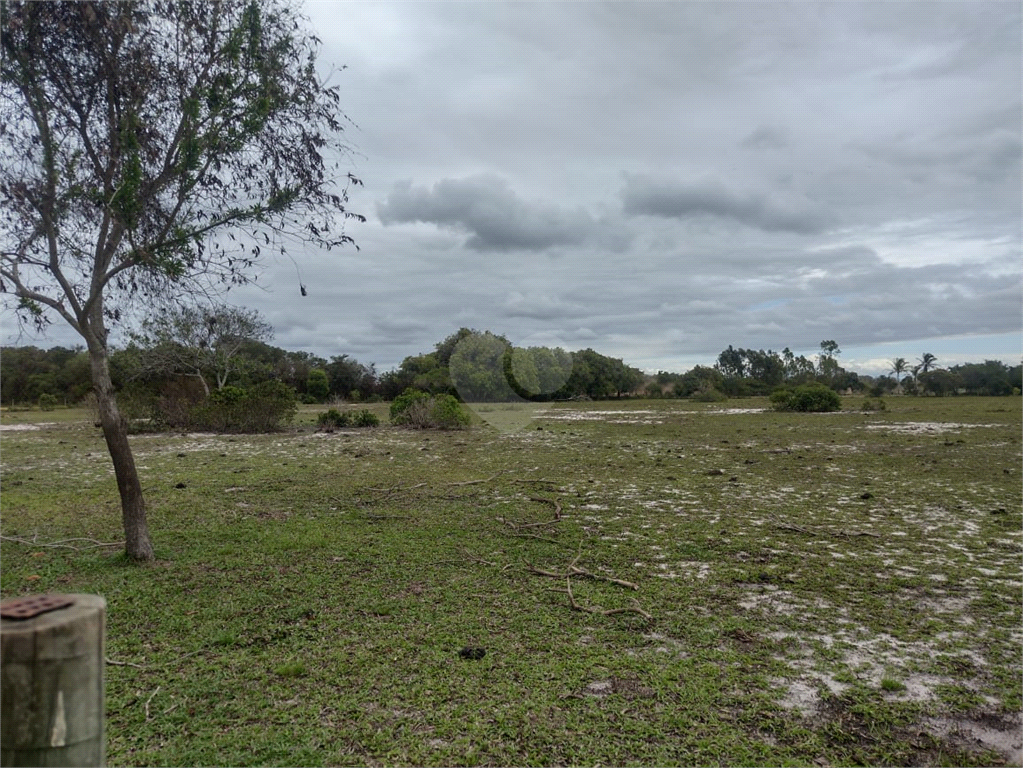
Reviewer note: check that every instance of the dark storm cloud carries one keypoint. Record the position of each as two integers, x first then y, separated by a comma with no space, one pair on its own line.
486,206
769,212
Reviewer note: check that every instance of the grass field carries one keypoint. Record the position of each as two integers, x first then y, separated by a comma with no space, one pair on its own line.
810,589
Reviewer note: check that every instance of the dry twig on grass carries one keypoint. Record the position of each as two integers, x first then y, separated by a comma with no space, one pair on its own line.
534,536
396,489
62,544
820,532
600,611
557,515
574,570
149,699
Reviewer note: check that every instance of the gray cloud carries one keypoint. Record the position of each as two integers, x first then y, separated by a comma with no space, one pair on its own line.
486,207
792,172
772,213
765,137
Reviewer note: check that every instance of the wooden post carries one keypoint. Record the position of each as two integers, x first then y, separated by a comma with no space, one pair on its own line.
51,684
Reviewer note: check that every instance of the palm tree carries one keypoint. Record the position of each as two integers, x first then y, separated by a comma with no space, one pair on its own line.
899,367
927,362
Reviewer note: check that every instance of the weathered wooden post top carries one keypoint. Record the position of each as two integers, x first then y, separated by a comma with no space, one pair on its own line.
51,680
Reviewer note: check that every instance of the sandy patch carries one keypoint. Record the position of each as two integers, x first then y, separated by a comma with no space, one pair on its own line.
925,427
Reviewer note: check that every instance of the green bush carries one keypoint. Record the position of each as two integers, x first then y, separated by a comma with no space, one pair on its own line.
874,405
365,419
404,402
47,402
266,407
815,398
332,419
335,419
447,413
419,410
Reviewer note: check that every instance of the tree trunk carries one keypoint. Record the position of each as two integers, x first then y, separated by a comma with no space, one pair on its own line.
133,507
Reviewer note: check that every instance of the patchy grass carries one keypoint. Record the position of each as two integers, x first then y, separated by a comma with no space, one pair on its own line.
824,588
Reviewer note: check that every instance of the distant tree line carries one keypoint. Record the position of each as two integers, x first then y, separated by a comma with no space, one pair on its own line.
203,352
747,372
991,378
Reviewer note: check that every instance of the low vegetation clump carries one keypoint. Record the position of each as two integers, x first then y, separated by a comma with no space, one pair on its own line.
420,410
812,398
335,419
709,396
266,407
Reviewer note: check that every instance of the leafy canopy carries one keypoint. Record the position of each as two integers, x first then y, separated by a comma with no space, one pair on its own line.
158,147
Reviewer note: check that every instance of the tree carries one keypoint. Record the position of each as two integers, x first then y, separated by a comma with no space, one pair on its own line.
927,362
828,365
899,367
318,385
152,149
199,341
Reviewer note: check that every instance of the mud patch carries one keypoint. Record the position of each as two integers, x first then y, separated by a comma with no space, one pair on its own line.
999,734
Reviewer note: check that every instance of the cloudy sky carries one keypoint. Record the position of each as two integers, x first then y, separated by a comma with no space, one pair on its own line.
660,180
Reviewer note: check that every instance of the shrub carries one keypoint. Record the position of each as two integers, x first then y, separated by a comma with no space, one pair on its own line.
709,396
335,419
365,419
271,405
47,402
874,405
815,398
265,407
448,413
403,403
172,408
419,410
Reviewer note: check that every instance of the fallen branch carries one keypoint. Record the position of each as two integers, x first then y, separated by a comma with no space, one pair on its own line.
557,515
574,570
822,532
152,666
123,663
600,611
475,559
149,699
555,504
534,536
396,488
62,544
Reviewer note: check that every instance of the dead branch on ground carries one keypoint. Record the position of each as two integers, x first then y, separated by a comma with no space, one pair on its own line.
62,544
822,532
534,536
396,489
557,515
574,570
600,611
